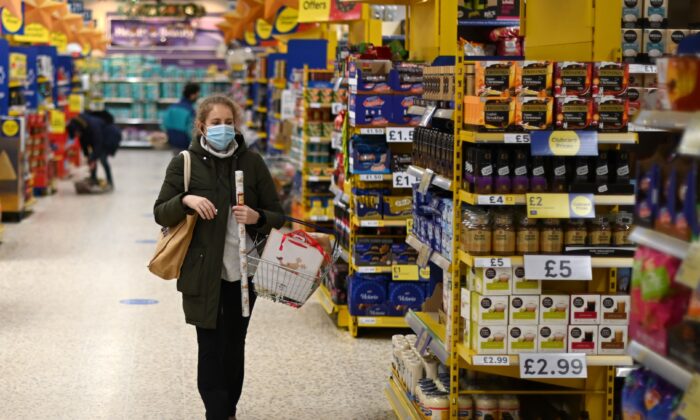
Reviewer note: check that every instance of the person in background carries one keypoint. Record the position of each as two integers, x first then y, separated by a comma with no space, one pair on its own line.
97,140
179,117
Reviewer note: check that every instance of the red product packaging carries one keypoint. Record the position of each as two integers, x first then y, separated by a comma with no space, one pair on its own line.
573,113
610,78
572,78
610,113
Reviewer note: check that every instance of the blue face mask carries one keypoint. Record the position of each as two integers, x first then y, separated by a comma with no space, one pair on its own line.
220,136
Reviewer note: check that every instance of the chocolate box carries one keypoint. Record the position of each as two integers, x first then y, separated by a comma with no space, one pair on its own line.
370,109
406,295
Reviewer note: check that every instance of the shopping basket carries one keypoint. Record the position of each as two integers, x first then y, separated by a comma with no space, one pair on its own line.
283,284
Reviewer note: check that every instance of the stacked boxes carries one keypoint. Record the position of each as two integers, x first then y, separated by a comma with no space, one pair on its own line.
377,295
432,221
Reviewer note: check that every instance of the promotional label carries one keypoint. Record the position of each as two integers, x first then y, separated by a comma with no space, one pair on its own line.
564,143
57,122
263,29
287,20
34,32
404,272
560,206
75,103
11,24
403,180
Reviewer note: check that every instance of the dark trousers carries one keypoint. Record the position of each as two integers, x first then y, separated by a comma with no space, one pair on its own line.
221,354
105,165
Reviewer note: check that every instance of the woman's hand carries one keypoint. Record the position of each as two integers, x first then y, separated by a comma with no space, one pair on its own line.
245,215
201,205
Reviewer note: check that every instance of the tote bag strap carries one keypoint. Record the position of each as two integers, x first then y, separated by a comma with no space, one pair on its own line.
188,168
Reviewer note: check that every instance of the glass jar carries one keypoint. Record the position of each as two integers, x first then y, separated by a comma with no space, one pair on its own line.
575,232
599,232
528,236
552,237
621,229
503,234
478,233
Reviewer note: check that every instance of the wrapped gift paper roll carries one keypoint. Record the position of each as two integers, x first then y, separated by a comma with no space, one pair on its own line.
245,304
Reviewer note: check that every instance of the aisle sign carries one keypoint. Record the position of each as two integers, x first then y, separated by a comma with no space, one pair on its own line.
560,206
558,267
287,104
404,272
564,143
263,29
399,134
490,360
690,405
403,180
553,365
75,103
287,20
689,272
11,24
34,33
57,122
328,11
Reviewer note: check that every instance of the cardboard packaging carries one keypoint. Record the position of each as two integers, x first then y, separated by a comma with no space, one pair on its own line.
524,310
368,296
573,112
406,295
615,309
632,12
489,310
492,281
522,286
554,309
654,44
585,309
370,109
610,113
631,43
551,338
673,38
612,339
495,78
522,339
465,301
489,339
656,13
583,339
534,113
491,114
610,79
399,113
534,78
572,78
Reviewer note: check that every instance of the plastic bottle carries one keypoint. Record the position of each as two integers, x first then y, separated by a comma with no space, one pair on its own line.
509,407
485,408
437,406
466,406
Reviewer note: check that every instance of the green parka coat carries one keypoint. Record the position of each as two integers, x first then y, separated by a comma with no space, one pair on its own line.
213,178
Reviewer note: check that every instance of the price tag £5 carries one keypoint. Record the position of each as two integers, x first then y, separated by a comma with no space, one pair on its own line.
553,365
558,267
492,262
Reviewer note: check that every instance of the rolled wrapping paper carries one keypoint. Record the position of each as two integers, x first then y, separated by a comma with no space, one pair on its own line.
240,200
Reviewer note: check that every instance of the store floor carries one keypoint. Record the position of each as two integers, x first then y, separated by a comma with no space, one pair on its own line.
70,350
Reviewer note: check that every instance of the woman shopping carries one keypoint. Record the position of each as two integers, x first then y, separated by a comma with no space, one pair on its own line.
210,275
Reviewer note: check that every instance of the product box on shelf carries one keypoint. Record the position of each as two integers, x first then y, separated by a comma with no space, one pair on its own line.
615,309
491,281
674,38
534,78
399,110
397,207
369,156
612,339
572,78
524,310
495,78
372,251
368,206
585,309
373,110
370,76
465,302
551,338
583,339
406,295
489,310
554,309
522,339
610,78
403,254
367,295
534,113
523,286
654,43
632,12
488,339
573,112
408,78
631,43
490,114
655,13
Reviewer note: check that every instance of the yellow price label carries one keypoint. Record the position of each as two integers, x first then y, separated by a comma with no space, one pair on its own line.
564,143
404,272
57,122
75,103
314,11
10,23
689,272
34,32
424,272
690,405
560,206
409,226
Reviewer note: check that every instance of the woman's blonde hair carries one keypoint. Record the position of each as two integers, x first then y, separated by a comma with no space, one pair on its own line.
207,105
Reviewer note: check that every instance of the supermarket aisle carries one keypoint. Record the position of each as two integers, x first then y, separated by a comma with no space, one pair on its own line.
69,349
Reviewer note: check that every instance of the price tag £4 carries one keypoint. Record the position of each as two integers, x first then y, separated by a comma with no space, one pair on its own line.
558,267
553,365
403,180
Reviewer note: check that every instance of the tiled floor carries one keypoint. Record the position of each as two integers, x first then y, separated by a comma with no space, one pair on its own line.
70,350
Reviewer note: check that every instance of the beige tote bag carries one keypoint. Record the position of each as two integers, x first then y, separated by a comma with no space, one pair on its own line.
174,242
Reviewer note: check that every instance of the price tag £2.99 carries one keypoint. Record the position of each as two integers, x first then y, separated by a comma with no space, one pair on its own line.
490,360
558,267
553,365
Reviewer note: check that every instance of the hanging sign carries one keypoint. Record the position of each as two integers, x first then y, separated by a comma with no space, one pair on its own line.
287,20
34,33
75,103
328,11
263,30
560,206
249,38
59,40
57,122
564,143
11,24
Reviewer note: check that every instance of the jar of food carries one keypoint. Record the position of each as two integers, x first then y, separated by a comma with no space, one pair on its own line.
503,234
552,237
528,236
599,232
485,407
437,406
509,407
478,233
621,229
575,232
466,405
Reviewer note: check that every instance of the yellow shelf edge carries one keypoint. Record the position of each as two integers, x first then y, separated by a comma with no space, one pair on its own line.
381,322
520,199
596,262
591,359
470,136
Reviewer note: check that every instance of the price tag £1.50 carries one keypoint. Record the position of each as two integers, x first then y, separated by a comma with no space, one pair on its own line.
553,365
558,267
399,134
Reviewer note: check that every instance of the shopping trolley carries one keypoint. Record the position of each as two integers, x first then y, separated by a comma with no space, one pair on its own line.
286,285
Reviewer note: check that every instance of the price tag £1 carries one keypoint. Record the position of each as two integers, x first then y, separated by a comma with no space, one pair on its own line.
553,365
399,134
403,180
558,267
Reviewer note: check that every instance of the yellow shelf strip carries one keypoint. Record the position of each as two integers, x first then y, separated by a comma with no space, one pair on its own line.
603,138
591,360
368,269
520,199
381,322
356,221
596,262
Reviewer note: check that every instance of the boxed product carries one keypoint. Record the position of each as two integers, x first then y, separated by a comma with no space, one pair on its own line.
631,43
492,114
465,311
533,113
368,206
554,309
674,38
583,339
367,295
370,109
372,251
656,13
524,310
534,78
403,254
612,339
523,286
522,339
369,155
372,76
399,113
492,281
573,112
397,207
610,113
654,44
551,338
572,78
585,309
406,295
489,310
489,339
495,78
610,78
632,12
615,309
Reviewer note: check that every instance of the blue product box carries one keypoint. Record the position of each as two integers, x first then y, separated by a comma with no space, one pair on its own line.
402,253
400,106
369,76
406,295
372,251
370,109
412,87
370,206
365,294
369,156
